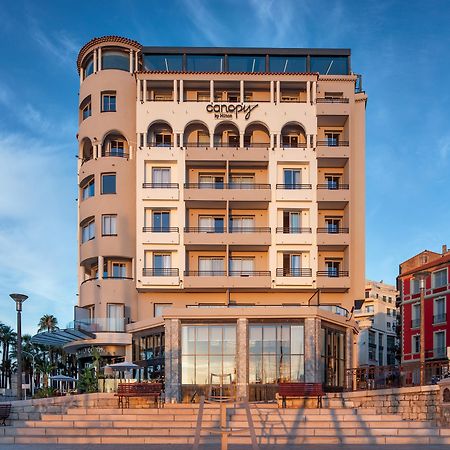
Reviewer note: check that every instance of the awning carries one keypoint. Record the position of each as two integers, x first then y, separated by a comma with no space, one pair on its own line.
59,338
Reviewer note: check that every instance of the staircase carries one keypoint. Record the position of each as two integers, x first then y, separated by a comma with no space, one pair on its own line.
176,423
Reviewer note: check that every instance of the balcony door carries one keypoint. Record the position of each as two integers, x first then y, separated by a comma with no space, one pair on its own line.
242,266
292,178
332,139
291,221
332,268
160,175
115,317
209,224
161,264
242,224
242,181
161,221
291,264
211,181
332,224
332,181
211,266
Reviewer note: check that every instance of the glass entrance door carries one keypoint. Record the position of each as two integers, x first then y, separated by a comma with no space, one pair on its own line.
333,358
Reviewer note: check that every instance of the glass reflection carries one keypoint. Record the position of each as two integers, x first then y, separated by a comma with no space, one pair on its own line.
115,60
163,63
205,63
287,64
246,64
329,65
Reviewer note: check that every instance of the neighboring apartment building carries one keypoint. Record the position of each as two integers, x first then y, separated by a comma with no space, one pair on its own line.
437,297
377,319
221,213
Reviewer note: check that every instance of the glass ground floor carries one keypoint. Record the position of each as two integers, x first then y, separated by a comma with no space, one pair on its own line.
248,356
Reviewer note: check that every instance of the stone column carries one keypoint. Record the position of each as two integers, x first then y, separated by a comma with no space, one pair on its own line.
173,360
100,267
181,91
241,90
312,350
272,97
308,92
175,91
278,92
131,60
99,62
211,91
242,358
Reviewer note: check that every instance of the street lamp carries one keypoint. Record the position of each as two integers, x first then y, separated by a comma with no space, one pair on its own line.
421,277
19,299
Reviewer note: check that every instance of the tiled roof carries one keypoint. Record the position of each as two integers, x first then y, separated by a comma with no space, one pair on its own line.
103,39
430,265
176,72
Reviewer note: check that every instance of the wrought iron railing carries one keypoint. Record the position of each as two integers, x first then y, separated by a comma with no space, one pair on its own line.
332,100
294,186
332,273
293,230
300,272
160,272
333,230
332,143
161,185
226,186
333,187
160,229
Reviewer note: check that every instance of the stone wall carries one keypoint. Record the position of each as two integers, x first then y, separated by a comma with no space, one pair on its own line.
411,403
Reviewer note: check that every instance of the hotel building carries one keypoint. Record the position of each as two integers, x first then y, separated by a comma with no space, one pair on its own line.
221,213
377,319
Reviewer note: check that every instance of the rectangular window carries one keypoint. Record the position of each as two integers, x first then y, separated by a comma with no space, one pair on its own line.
416,343
161,176
292,178
332,268
163,63
388,325
439,310
211,224
158,308
89,189
332,224
388,312
116,317
161,264
252,64
205,63
440,278
332,181
161,221
416,311
88,231
87,111
367,295
242,266
287,64
242,224
291,222
415,286
439,345
329,65
384,298
109,225
332,138
119,270
108,102
292,264
369,309
108,183
214,266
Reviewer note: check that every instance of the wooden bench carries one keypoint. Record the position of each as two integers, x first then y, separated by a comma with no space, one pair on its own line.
128,390
300,390
5,411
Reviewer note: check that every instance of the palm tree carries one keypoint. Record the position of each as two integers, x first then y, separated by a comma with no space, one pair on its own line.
7,338
48,322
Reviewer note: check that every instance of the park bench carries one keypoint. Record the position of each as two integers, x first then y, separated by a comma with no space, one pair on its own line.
5,411
300,390
127,390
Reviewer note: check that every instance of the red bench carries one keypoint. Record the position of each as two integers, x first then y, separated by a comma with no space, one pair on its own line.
300,390
5,411
128,390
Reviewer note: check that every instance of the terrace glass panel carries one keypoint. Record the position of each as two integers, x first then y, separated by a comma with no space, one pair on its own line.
163,63
246,64
329,65
205,63
287,64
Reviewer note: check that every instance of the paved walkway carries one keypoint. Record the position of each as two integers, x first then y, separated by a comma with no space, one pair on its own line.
217,447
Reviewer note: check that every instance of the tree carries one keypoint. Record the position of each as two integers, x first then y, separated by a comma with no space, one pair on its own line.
48,322
7,339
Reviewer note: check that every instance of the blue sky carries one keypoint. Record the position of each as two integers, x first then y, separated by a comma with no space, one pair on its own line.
401,48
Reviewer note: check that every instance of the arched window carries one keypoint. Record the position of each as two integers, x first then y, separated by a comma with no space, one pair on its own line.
226,134
88,66
160,134
256,135
293,136
115,144
196,134
115,59
87,150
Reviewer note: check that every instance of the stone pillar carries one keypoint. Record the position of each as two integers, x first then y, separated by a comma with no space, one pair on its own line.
241,140
173,360
181,91
308,92
131,60
314,91
272,140
99,62
242,358
100,267
211,91
272,97
175,91
144,91
278,93
241,89
95,61
312,350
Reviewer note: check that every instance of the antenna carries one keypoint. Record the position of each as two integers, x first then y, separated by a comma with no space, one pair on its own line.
329,67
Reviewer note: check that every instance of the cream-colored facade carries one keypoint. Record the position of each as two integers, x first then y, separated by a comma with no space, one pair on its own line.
219,197
377,319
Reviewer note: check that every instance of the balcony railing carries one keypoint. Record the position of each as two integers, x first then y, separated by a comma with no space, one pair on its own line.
160,229
332,100
439,318
333,187
332,143
226,186
300,272
227,144
160,272
293,145
415,323
197,144
205,273
249,273
293,230
223,273
256,144
205,230
116,153
100,324
333,230
294,186
159,144
249,230
332,273
161,185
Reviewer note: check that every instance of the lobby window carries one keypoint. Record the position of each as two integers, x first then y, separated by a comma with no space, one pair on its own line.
276,353
205,63
161,221
287,64
240,63
108,183
109,225
109,101
416,343
115,59
88,231
119,270
86,108
439,278
88,190
158,308
329,65
207,350
163,63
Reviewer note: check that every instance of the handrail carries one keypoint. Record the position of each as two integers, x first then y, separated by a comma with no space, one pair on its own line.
249,273
294,186
297,145
335,187
332,100
159,144
249,230
161,185
332,143
161,229
205,230
160,272
205,273
332,230
117,153
300,272
332,273
293,230
226,186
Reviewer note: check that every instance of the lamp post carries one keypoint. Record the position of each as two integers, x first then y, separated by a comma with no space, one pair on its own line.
421,277
19,299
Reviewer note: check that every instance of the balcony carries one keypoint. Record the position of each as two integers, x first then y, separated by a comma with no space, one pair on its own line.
333,279
255,279
160,191
291,236
252,192
415,323
300,272
93,290
235,236
160,276
294,192
99,325
333,236
251,152
332,106
294,277
330,195
331,153
439,318
160,235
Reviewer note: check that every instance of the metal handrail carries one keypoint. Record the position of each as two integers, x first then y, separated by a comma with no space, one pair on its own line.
205,230
332,100
294,186
161,185
205,273
226,186
333,143
332,273
117,153
331,187
300,272
332,230
293,230
297,145
249,230
160,144
160,272
160,229
249,273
